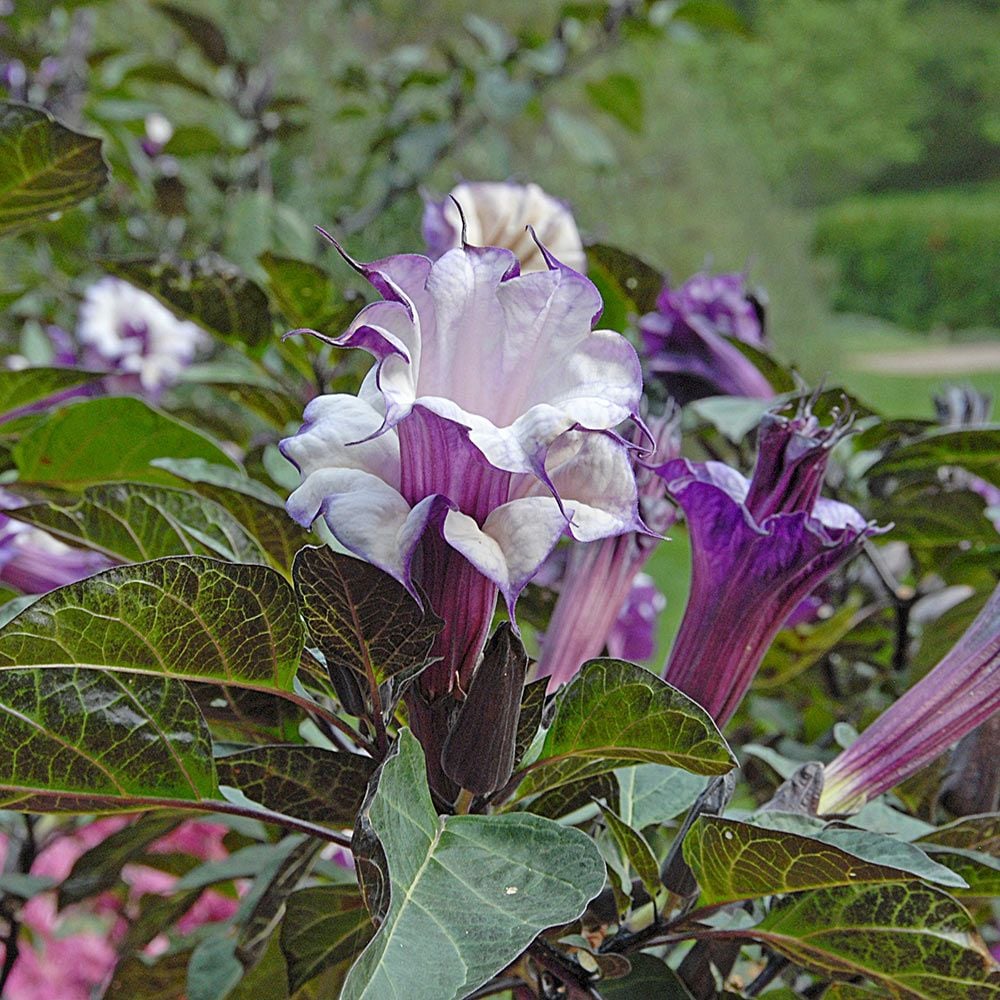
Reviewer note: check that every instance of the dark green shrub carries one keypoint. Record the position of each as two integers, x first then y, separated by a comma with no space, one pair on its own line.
920,260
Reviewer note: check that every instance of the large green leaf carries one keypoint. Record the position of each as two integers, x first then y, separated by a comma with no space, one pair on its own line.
364,622
211,293
30,385
44,166
305,294
620,96
108,439
324,926
615,713
136,522
734,861
189,617
467,893
88,740
310,783
914,942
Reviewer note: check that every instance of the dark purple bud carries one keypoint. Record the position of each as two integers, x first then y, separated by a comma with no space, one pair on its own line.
479,751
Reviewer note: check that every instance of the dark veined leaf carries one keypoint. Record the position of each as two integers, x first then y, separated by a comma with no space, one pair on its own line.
189,617
532,709
364,622
527,873
324,926
255,506
980,871
85,443
44,166
99,868
650,979
615,713
936,517
87,740
620,96
566,799
32,385
310,783
140,978
912,941
305,294
971,833
136,522
211,293
975,449
635,850
734,861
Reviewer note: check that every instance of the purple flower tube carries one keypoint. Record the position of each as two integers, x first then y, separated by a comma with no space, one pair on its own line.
961,692
687,343
759,548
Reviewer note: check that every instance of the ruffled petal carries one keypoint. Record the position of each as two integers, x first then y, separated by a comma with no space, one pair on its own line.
512,543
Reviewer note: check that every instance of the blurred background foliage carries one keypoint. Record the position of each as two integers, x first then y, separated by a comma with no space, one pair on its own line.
845,151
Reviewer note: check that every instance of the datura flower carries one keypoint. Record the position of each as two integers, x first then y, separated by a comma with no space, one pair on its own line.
131,332
961,692
687,341
499,214
482,434
758,548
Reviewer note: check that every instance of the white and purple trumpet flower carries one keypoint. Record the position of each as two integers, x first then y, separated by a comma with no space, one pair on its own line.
504,214
758,549
961,692
483,433
144,343
687,341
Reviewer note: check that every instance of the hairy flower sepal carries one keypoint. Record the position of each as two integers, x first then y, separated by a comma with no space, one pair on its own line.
961,692
759,547
483,432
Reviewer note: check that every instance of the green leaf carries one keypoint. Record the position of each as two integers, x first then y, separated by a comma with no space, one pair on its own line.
255,506
734,861
100,867
636,850
44,166
712,15
937,517
204,33
566,799
108,439
652,793
913,941
626,282
615,713
136,523
619,95
976,450
307,782
363,621
190,617
87,740
211,293
467,893
305,294
31,385
532,709
324,926
583,140
980,871
650,979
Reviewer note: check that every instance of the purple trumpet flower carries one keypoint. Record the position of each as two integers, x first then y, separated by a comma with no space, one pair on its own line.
759,548
687,341
34,562
961,692
598,584
482,434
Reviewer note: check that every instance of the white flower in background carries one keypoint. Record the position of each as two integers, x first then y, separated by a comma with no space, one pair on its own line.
130,331
497,214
